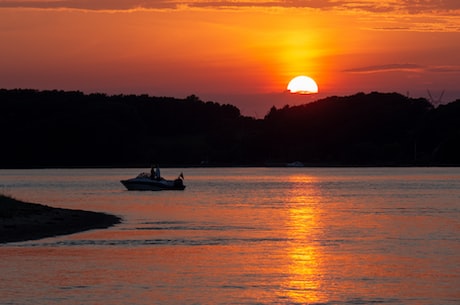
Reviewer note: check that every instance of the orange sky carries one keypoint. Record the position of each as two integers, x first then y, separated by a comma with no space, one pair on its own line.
238,52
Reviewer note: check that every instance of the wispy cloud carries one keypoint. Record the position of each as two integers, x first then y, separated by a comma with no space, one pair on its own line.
417,6
444,69
412,6
387,68
404,68
118,5
380,15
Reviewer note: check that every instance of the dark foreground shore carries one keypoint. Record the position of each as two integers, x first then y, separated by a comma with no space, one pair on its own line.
21,221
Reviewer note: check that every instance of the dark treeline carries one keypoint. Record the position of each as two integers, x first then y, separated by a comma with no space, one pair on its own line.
72,129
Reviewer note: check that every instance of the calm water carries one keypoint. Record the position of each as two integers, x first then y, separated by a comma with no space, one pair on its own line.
244,236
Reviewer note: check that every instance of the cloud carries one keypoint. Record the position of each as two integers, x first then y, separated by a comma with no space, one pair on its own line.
113,5
377,6
444,69
418,6
380,15
387,68
404,68
275,3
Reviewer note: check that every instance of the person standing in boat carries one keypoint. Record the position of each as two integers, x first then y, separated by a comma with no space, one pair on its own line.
157,173
152,172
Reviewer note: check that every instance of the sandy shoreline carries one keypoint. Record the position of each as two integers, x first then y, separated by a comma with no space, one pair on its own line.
21,221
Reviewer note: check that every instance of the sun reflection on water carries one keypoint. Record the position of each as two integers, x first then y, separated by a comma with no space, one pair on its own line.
304,229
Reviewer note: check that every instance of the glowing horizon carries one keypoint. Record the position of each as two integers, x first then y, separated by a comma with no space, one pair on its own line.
235,48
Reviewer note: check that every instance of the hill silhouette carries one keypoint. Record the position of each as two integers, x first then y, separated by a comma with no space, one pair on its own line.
73,129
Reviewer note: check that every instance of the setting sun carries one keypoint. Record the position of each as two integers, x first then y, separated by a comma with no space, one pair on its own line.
302,85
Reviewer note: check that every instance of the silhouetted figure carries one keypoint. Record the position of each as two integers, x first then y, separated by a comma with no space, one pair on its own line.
157,173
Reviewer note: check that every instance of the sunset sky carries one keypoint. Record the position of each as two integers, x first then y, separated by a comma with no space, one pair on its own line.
238,52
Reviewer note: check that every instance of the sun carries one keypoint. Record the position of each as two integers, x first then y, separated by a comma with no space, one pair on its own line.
302,85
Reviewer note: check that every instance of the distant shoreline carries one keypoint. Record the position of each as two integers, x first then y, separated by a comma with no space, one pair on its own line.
372,129
22,221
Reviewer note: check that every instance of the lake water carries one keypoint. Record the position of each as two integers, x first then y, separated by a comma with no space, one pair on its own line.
243,236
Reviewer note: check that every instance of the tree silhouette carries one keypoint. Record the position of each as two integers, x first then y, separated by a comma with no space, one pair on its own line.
70,128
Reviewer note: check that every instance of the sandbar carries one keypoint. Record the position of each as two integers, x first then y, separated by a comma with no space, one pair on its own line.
22,221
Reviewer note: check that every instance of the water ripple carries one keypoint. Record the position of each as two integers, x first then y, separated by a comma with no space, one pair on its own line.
158,242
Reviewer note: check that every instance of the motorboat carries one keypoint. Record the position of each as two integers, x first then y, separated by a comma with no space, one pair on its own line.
145,182
295,164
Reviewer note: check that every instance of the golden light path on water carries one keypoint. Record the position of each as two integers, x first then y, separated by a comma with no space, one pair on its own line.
304,257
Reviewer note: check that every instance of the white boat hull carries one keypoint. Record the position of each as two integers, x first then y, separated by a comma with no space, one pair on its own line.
143,183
